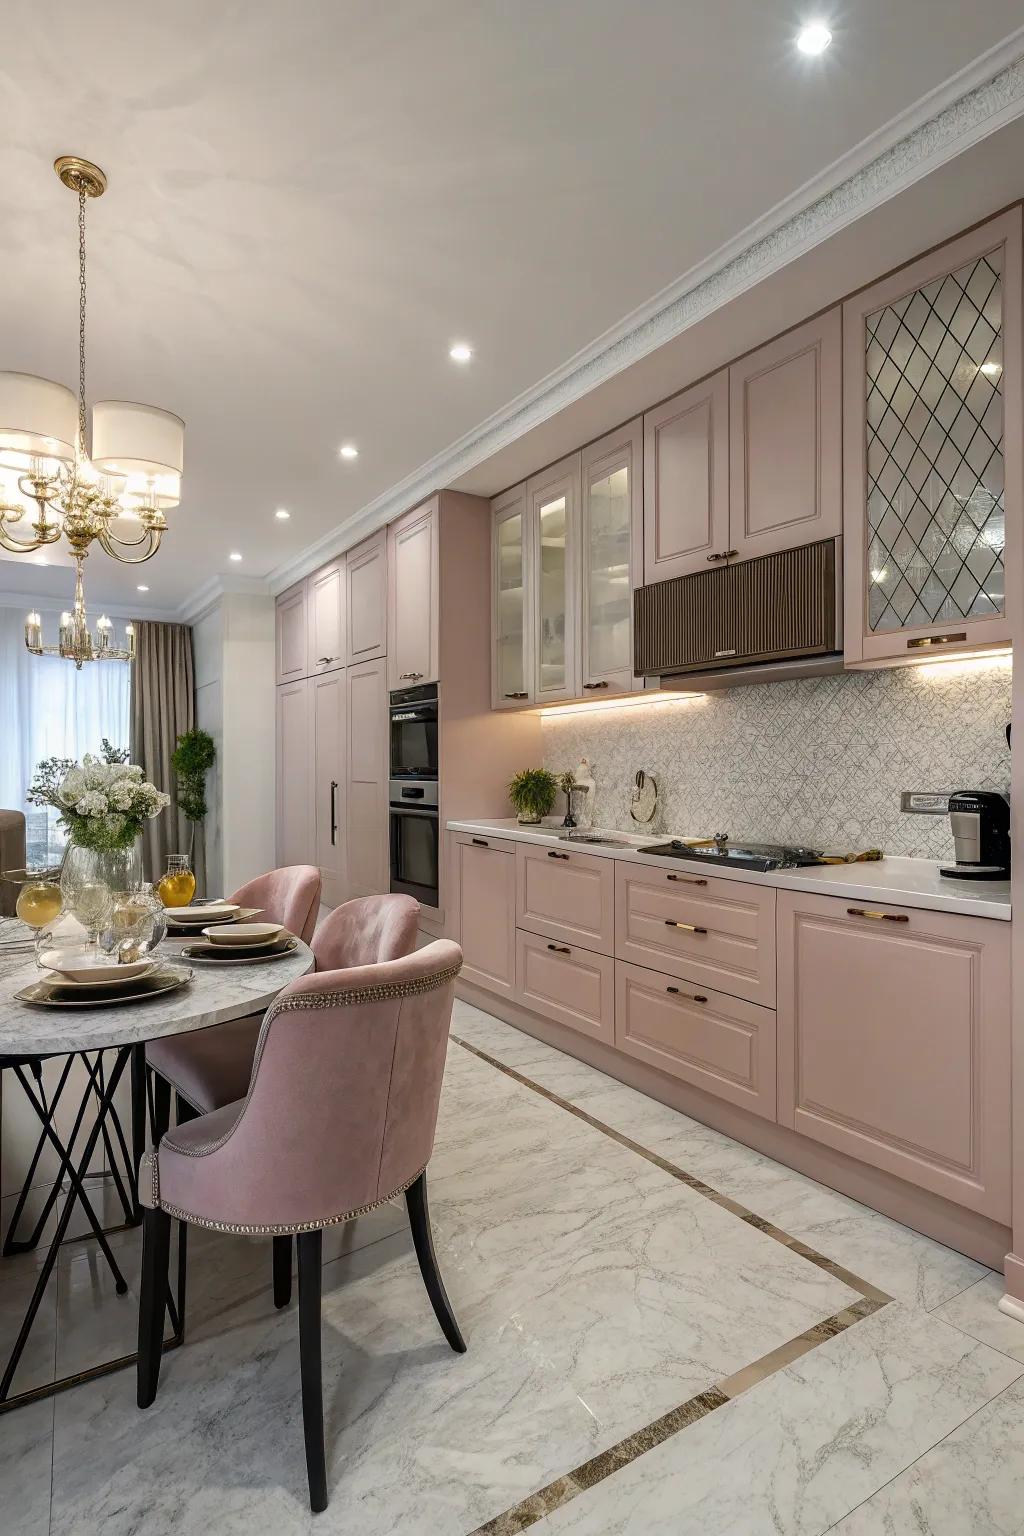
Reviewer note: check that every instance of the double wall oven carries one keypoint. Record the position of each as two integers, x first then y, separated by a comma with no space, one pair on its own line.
415,831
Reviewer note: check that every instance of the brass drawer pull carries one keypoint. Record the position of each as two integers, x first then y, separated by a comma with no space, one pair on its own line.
692,997
554,854
688,879
481,842
686,927
879,917
560,949
590,686
924,641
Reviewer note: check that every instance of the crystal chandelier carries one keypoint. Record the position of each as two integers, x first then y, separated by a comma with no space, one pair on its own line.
116,495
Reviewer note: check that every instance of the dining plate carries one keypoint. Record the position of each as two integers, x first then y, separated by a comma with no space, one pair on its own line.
245,954
111,975
195,925
53,994
235,934
217,909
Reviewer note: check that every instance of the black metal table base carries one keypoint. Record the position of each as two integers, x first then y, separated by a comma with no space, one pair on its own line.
101,1086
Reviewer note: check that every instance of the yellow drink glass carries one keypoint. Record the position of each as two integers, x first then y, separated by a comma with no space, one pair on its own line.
39,902
178,885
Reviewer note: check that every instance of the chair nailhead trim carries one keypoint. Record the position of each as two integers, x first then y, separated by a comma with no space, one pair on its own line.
242,1229
379,994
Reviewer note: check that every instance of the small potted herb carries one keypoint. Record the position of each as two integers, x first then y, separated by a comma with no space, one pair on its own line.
532,792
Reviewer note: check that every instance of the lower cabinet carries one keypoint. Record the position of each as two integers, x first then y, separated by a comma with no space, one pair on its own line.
567,895
894,1042
484,870
709,1039
563,982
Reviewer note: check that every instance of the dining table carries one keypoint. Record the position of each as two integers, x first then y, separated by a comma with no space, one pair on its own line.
109,1040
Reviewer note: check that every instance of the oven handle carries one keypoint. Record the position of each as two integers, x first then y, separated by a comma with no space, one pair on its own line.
400,712
408,810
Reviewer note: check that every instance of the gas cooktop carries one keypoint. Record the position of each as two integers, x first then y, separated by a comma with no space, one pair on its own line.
757,856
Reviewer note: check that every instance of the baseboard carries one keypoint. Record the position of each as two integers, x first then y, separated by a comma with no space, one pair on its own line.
954,1226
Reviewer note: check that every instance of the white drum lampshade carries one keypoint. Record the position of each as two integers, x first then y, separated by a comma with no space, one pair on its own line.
38,420
137,440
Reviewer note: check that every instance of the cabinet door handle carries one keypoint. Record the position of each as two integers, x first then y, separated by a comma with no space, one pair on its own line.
924,641
334,813
692,997
322,661
713,558
481,842
560,949
409,677
552,854
516,695
687,879
726,554
878,917
590,686
686,927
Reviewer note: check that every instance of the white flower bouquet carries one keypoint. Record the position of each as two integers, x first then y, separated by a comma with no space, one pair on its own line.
103,801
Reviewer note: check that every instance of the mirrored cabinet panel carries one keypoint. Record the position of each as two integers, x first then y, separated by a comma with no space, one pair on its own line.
612,554
932,481
512,680
553,499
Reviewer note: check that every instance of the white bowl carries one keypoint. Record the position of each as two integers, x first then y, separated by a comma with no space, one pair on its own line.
203,914
82,972
244,933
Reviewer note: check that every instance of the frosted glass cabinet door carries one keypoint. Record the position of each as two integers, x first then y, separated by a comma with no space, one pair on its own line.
612,555
553,508
511,605
932,481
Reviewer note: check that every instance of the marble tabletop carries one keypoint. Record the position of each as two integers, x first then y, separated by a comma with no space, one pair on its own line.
214,995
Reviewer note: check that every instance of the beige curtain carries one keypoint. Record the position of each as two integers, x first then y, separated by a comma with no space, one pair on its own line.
163,706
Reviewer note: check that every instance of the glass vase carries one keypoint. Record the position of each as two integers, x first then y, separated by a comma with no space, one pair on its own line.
91,877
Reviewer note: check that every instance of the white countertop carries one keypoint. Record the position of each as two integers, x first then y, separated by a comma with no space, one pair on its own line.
906,882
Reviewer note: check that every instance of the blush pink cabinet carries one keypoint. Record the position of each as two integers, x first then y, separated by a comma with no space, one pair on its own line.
785,440
686,480
292,627
329,791
612,558
716,1042
413,597
512,600
553,527
566,895
718,933
484,871
894,1042
564,982
367,598
366,798
325,608
296,833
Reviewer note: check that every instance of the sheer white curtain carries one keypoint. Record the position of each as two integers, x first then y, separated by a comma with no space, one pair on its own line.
48,709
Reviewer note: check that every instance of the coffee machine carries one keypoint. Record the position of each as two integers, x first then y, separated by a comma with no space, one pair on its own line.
980,820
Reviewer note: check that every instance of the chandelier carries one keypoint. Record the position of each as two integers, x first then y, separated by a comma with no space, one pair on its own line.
114,491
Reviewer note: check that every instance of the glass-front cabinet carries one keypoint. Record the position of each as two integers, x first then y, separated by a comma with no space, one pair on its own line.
553,507
511,601
612,558
932,480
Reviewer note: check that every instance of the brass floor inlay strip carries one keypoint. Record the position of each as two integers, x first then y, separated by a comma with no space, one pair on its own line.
521,1516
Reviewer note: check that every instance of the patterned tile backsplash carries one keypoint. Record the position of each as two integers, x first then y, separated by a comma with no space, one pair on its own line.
820,761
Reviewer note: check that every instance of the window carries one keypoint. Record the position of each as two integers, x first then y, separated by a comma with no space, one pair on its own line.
48,709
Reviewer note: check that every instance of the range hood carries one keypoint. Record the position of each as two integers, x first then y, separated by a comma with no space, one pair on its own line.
777,615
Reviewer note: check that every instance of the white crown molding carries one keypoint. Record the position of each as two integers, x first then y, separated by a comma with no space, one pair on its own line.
206,597
967,108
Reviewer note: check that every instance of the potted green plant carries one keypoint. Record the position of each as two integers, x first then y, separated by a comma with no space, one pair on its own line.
192,759
532,793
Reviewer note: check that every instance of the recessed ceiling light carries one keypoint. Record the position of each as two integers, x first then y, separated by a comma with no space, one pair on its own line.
460,352
234,555
814,38
142,589
349,451
282,514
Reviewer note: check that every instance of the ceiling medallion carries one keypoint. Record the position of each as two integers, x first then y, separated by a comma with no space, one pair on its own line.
52,486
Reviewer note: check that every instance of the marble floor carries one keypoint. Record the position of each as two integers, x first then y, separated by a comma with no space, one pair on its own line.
667,1333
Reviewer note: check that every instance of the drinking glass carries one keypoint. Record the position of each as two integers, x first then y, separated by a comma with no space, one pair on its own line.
92,905
39,903
178,885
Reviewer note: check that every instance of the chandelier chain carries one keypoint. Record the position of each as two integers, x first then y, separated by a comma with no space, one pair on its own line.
81,319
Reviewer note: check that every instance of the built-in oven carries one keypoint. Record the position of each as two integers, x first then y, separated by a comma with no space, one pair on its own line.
415,839
414,733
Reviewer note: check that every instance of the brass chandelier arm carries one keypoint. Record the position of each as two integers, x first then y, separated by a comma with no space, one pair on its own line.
26,546
107,541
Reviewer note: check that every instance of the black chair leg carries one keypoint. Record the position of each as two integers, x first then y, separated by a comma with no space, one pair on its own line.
423,1242
156,1248
310,1247
160,1108
282,1271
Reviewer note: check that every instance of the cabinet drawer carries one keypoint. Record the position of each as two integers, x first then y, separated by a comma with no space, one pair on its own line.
894,1042
485,874
720,933
713,1041
571,985
568,896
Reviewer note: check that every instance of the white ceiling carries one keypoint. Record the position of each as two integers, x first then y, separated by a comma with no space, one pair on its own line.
309,202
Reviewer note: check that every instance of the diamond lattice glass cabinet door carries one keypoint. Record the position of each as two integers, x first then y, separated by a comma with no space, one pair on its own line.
511,672
932,478
553,499
611,546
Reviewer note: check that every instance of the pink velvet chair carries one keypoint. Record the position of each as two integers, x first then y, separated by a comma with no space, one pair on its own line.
338,1119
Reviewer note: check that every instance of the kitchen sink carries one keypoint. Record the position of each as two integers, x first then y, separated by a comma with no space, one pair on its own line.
594,839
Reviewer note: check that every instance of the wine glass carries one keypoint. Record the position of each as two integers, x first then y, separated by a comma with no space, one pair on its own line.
39,903
92,904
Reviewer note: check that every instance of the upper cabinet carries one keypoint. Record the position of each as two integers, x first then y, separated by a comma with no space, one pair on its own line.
612,558
785,441
413,574
932,366
325,606
686,480
367,605
292,635
511,601
553,512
